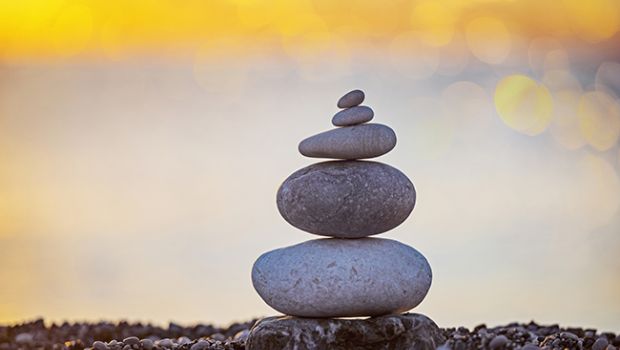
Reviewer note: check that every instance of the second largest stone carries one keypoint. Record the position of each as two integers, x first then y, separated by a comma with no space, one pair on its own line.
346,199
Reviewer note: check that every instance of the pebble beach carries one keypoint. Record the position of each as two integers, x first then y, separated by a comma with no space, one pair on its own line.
138,336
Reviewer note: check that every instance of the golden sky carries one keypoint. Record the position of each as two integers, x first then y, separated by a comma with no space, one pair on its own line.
116,30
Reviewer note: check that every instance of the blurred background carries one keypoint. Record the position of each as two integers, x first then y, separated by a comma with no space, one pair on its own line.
142,144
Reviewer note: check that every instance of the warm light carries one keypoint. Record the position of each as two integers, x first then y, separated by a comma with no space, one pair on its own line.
599,119
72,30
488,39
410,56
434,21
594,20
523,104
565,127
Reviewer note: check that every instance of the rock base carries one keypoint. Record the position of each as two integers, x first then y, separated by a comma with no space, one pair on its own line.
403,332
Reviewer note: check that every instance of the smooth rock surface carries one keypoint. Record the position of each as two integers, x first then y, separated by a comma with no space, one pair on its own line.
403,332
334,277
346,199
353,116
351,98
351,142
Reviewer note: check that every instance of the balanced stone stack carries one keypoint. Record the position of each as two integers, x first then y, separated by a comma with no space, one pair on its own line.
349,274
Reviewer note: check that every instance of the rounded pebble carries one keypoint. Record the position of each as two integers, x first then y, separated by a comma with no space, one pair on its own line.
342,278
600,344
346,199
131,341
569,335
353,116
24,338
351,142
351,98
498,342
200,345
147,344
99,345
165,343
530,346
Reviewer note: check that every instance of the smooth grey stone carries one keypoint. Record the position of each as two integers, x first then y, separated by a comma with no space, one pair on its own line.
351,98
334,277
600,344
200,345
353,116
350,142
530,346
147,344
346,199
498,342
24,338
131,341
407,331
99,345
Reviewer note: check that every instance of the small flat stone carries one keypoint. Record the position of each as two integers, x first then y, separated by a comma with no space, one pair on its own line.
346,199
407,331
600,344
147,344
350,142
353,116
498,342
99,345
351,98
131,341
334,277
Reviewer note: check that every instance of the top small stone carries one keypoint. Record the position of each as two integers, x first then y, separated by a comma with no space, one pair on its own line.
351,99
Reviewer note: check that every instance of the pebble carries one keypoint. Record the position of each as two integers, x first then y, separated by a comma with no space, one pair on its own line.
242,335
498,342
569,335
147,344
530,346
183,340
351,98
131,341
342,278
352,142
600,344
99,345
353,116
200,345
165,343
24,338
346,199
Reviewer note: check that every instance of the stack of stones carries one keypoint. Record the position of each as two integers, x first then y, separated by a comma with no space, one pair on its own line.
349,274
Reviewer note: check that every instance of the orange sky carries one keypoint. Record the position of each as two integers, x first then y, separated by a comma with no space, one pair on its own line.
59,29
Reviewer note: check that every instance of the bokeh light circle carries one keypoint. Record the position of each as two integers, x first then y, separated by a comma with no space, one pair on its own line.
523,104
565,128
599,119
488,39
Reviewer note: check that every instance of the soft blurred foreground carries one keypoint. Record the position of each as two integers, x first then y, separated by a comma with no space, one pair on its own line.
142,144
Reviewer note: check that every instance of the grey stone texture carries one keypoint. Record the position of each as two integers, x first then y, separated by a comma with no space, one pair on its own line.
351,98
350,142
353,116
334,277
402,332
346,199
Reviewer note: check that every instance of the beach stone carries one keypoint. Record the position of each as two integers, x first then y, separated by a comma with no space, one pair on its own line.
333,277
351,98
353,116
407,331
346,199
351,142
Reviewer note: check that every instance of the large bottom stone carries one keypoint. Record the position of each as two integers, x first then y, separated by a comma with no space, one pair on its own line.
403,332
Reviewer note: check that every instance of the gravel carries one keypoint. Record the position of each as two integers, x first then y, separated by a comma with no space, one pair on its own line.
138,336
